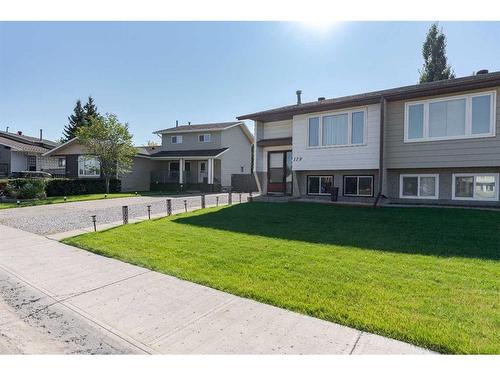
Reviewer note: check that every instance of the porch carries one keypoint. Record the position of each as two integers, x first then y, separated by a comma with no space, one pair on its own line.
200,174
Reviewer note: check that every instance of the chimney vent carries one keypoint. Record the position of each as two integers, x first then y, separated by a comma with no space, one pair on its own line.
482,71
299,99
189,123
41,135
321,98
176,123
19,132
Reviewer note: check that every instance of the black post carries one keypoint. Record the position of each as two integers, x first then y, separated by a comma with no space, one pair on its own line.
169,207
250,197
93,221
217,201
240,197
229,198
125,214
202,200
185,205
149,212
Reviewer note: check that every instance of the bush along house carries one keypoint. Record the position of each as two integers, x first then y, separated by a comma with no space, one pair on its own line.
203,157
431,143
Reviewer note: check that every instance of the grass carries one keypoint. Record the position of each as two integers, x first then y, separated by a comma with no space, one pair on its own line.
75,198
427,276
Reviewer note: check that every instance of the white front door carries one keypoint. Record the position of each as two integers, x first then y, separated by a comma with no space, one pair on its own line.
202,171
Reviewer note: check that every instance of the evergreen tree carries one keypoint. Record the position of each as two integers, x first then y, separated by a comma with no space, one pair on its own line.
436,66
76,120
90,110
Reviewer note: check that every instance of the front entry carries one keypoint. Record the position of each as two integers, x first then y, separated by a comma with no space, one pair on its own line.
279,177
202,173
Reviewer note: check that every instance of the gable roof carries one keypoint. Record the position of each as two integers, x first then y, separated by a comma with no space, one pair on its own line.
200,127
22,147
477,81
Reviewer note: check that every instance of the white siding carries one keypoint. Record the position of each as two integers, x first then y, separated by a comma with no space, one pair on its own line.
18,162
277,129
338,157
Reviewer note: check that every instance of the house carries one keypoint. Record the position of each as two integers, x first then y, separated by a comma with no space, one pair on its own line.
432,143
19,152
201,157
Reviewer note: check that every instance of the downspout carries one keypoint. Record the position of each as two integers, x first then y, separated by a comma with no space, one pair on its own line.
381,153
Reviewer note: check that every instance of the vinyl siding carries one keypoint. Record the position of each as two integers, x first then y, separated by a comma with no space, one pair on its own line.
139,178
239,154
190,141
478,152
340,157
277,129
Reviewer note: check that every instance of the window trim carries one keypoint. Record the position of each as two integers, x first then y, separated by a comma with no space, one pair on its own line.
177,138
349,113
468,117
357,177
87,175
204,135
419,175
474,175
320,176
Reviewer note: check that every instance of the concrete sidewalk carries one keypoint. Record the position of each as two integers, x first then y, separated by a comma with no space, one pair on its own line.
151,312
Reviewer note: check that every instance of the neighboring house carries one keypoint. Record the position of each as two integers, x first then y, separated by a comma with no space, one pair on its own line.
430,143
197,156
19,152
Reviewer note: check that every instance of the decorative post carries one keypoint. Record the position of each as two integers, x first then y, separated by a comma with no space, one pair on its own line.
240,197
229,198
169,207
149,211
185,205
125,214
93,221
217,201
202,200
250,197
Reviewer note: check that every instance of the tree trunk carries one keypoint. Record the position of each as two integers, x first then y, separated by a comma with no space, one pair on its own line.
106,179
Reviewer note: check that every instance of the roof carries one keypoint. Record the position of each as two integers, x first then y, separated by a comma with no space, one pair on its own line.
26,138
147,150
200,127
405,92
189,153
23,147
59,147
275,142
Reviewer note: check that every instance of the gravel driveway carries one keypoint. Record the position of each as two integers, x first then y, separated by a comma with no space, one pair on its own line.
56,218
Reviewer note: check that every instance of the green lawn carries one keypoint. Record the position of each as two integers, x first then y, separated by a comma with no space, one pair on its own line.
74,198
423,275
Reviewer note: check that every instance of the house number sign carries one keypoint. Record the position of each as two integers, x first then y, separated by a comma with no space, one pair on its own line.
297,158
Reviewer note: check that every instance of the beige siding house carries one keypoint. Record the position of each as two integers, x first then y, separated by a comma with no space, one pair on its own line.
433,143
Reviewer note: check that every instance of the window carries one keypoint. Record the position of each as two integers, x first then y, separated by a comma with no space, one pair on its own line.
176,139
61,162
314,131
465,116
474,186
204,138
88,166
361,186
187,166
339,129
319,185
423,186
335,130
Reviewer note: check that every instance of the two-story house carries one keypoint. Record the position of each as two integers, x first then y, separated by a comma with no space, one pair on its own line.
433,143
200,157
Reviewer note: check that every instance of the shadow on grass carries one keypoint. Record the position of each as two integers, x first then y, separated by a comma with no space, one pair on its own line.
445,232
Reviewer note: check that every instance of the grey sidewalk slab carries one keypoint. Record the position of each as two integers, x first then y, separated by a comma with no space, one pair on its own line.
162,314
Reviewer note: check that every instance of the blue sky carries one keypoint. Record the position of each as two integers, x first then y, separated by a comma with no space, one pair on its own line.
151,74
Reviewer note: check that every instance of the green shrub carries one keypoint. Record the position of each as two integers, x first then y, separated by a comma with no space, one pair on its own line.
26,188
68,187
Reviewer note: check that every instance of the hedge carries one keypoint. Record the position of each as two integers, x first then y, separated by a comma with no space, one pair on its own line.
66,186
26,188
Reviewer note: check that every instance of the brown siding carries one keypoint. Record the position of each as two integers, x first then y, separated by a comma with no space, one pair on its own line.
72,166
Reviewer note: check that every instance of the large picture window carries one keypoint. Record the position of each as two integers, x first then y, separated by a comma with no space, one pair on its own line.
319,185
464,116
419,186
358,186
88,166
337,129
479,186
